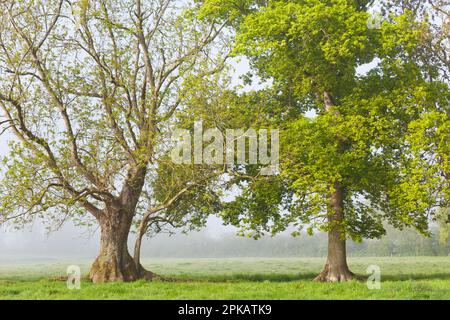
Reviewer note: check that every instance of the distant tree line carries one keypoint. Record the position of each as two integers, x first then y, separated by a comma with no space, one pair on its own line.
200,245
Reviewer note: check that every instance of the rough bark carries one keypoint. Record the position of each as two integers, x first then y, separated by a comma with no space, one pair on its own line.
114,263
336,268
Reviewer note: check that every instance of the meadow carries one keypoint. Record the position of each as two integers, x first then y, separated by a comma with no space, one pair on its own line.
240,278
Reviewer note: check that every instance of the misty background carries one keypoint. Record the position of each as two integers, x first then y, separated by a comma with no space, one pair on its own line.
214,241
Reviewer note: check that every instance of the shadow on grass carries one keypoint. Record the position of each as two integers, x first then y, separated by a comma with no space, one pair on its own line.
276,277
248,277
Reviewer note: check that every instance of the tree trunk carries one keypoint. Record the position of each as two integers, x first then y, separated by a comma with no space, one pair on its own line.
114,262
336,268
143,273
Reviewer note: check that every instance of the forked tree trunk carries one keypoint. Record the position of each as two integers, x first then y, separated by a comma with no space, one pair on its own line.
336,268
114,262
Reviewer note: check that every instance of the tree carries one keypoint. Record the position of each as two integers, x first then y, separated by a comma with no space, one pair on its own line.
436,45
91,89
427,140
341,169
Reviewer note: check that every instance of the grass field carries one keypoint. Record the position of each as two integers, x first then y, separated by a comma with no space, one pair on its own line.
402,278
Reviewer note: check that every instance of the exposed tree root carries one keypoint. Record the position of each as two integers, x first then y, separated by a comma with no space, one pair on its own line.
335,274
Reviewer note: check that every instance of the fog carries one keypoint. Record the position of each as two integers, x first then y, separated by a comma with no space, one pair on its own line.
35,241
214,241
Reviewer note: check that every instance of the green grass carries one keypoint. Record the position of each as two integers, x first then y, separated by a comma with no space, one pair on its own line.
402,278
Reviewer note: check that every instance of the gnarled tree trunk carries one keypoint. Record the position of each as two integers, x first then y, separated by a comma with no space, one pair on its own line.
336,268
114,263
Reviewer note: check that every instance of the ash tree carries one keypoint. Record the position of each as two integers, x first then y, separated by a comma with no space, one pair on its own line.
360,161
91,89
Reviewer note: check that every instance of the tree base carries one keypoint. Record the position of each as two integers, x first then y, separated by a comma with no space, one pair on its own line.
106,270
335,274
150,276
146,274
109,269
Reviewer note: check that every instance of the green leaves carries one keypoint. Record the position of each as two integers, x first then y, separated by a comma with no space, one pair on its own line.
93,88
314,44
385,135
